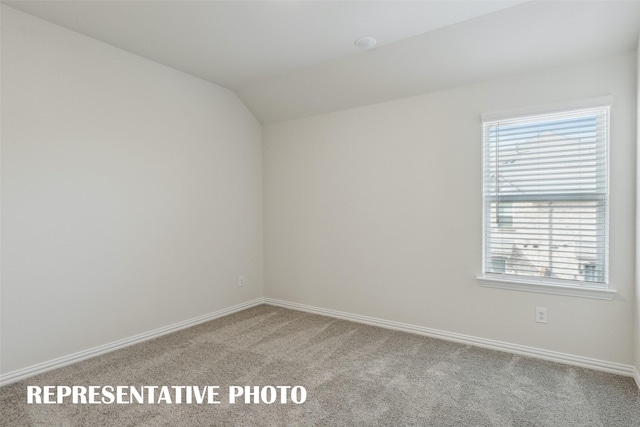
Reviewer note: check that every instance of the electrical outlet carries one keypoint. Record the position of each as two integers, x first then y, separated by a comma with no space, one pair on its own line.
541,314
241,281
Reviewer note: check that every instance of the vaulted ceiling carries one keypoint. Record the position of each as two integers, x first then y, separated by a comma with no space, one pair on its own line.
290,59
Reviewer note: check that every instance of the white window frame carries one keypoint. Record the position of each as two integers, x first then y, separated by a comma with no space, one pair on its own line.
556,287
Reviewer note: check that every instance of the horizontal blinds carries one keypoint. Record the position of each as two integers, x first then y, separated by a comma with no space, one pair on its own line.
545,195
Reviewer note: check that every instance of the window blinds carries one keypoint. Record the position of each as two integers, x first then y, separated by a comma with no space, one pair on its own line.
545,196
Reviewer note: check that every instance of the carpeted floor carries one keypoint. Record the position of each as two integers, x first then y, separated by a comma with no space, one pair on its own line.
354,374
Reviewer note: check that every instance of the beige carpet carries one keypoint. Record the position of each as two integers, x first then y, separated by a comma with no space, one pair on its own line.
354,374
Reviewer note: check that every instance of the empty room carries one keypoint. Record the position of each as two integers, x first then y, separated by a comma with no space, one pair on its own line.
319,213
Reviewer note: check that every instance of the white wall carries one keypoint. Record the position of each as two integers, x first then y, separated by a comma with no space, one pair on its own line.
637,294
377,211
131,194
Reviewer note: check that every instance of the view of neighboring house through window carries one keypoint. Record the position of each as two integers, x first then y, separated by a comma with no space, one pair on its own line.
546,196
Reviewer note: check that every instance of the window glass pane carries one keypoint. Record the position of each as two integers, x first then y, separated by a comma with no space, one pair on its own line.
505,215
498,265
549,239
545,196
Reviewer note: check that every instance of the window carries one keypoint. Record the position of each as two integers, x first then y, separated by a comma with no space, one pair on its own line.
498,265
505,215
546,198
589,273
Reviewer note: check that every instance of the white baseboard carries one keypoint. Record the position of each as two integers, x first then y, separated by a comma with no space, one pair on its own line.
30,371
553,356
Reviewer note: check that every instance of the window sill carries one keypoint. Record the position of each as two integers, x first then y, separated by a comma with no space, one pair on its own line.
547,288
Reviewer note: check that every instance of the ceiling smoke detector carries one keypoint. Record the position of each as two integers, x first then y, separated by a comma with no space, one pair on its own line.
366,43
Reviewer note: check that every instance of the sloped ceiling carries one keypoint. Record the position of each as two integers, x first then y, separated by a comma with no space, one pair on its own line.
291,59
